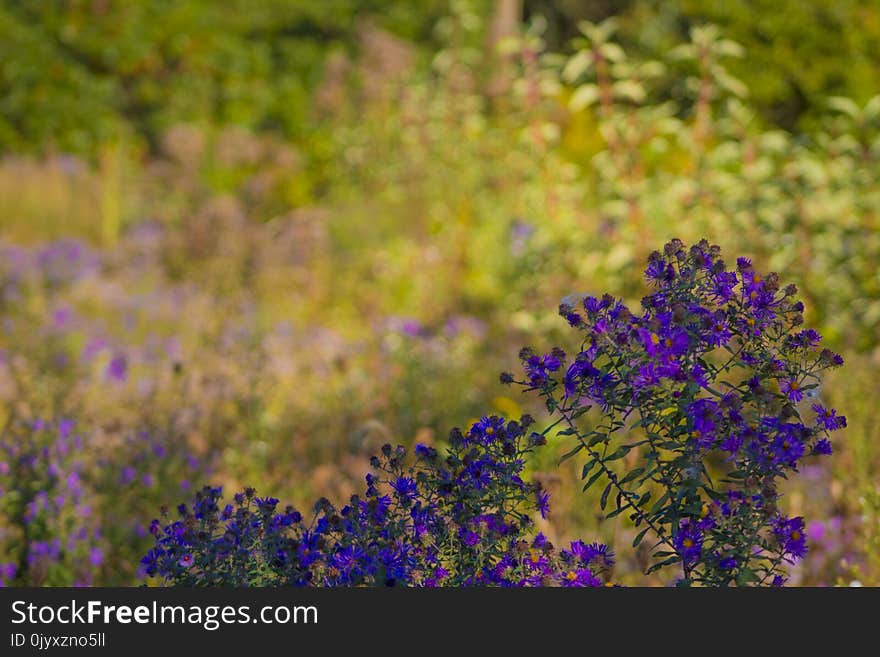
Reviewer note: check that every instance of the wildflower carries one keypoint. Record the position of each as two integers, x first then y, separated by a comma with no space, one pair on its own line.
469,538
828,418
538,368
405,487
647,376
791,536
658,271
488,429
266,504
688,542
127,475
787,449
579,577
543,502
727,563
792,389
719,331
96,556
117,368
592,553
822,447
7,572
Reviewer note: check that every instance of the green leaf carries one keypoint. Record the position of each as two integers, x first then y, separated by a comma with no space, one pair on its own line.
659,503
604,499
571,453
665,562
592,480
844,105
589,466
746,576
619,453
584,96
579,64
632,475
640,536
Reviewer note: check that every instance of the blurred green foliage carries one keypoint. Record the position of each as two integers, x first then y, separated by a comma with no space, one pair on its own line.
74,73
800,51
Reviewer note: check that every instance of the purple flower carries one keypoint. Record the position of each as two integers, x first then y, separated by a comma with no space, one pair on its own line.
61,318
7,572
117,368
266,504
727,563
722,286
792,389
578,371
96,556
659,271
646,376
688,542
705,416
405,487
822,447
65,427
469,538
828,418
579,577
698,376
487,430
719,332
815,531
592,553
787,449
543,502
538,368
791,536
127,475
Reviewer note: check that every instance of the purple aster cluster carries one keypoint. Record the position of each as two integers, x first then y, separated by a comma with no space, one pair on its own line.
67,504
463,518
51,265
52,536
706,386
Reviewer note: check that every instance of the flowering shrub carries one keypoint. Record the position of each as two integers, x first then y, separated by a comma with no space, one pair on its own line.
462,519
701,408
700,398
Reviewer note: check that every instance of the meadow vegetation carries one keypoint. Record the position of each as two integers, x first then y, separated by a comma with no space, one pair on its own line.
242,255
